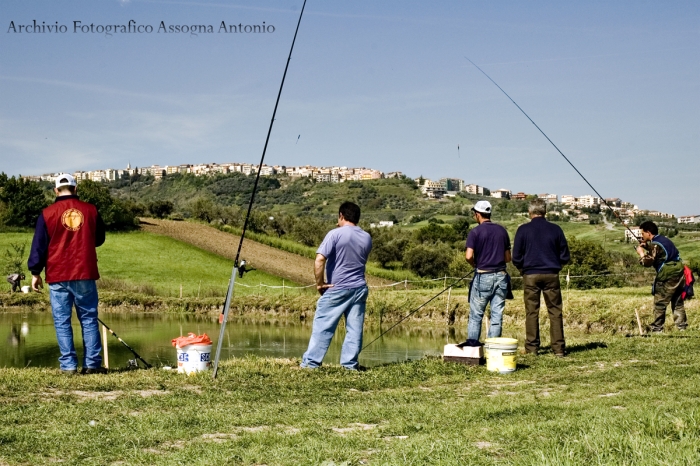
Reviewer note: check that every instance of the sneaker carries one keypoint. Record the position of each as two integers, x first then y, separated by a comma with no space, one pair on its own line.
69,372
93,370
560,355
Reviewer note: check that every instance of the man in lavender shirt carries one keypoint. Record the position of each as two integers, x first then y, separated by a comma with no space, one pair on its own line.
343,255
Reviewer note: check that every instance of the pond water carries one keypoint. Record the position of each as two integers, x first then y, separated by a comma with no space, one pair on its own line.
30,339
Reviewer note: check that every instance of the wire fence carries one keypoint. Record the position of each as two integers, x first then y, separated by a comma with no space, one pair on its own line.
445,279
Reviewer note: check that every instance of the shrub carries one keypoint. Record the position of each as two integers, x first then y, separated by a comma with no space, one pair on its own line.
429,261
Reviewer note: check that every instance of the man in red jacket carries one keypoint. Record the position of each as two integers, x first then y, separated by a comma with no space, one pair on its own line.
66,235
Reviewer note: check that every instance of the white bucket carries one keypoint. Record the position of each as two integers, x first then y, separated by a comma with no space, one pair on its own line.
193,358
500,354
25,289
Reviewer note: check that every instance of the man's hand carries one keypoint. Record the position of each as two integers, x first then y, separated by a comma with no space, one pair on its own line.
37,283
323,287
641,251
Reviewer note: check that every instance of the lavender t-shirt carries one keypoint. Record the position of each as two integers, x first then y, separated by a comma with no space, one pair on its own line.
490,243
346,250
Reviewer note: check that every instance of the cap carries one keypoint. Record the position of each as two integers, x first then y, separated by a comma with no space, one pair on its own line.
64,179
483,207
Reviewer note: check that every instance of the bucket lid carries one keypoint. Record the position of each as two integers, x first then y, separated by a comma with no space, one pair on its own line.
501,341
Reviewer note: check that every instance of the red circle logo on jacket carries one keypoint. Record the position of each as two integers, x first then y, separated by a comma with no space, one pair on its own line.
72,219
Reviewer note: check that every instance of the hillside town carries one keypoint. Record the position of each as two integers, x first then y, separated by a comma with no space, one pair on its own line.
575,207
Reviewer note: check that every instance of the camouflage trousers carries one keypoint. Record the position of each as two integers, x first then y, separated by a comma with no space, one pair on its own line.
665,292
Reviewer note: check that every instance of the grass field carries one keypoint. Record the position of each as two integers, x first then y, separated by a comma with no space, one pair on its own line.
152,264
614,400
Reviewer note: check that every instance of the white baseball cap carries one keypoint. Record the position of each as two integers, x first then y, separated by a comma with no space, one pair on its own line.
483,207
64,179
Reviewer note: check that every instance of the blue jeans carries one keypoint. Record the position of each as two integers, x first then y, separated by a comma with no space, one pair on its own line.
329,309
82,294
487,288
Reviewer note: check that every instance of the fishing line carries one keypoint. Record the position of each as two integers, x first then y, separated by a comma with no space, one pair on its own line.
148,366
417,309
229,293
555,146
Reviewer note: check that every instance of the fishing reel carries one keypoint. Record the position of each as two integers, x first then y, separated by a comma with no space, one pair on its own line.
243,268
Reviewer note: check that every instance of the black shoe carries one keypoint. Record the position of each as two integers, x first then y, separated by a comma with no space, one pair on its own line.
69,372
93,370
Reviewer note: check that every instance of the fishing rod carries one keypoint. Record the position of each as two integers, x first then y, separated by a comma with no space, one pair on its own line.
560,152
418,308
223,317
148,366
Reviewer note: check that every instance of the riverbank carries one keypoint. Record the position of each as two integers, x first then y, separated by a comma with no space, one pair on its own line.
614,400
606,310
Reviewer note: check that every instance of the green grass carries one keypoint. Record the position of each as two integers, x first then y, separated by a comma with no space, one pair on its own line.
158,265
614,400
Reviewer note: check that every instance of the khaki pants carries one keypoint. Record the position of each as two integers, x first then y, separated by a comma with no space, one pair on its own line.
548,285
665,292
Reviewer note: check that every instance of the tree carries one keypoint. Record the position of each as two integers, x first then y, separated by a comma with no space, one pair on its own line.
114,212
14,258
429,261
23,201
591,264
203,208
161,209
461,227
309,232
433,233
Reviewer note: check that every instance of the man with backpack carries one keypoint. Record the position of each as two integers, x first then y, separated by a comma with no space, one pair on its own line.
659,252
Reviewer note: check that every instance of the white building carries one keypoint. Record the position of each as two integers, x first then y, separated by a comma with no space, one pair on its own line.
474,189
433,189
568,199
501,193
630,235
689,219
588,201
549,198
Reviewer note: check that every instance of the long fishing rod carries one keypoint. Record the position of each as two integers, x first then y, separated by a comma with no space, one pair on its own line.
223,317
418,308
148,366
555,146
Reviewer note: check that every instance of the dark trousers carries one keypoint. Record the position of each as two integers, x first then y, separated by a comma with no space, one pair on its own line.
548,285
665,292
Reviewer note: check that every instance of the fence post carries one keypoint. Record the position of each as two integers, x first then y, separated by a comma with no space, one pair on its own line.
283,287
405,283
104,347
449,295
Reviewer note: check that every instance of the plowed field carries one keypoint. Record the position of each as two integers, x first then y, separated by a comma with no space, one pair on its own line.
262,257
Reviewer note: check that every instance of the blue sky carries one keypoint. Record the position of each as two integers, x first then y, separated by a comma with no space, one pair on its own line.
615,84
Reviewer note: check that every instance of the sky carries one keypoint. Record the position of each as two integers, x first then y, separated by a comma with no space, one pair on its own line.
386,85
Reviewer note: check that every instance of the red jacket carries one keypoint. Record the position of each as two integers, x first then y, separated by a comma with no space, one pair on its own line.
65,239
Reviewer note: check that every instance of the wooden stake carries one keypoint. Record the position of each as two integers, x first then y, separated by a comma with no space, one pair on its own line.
639,322
449,295
180,290
104,347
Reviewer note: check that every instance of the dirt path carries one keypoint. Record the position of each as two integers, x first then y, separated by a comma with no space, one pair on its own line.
266,258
